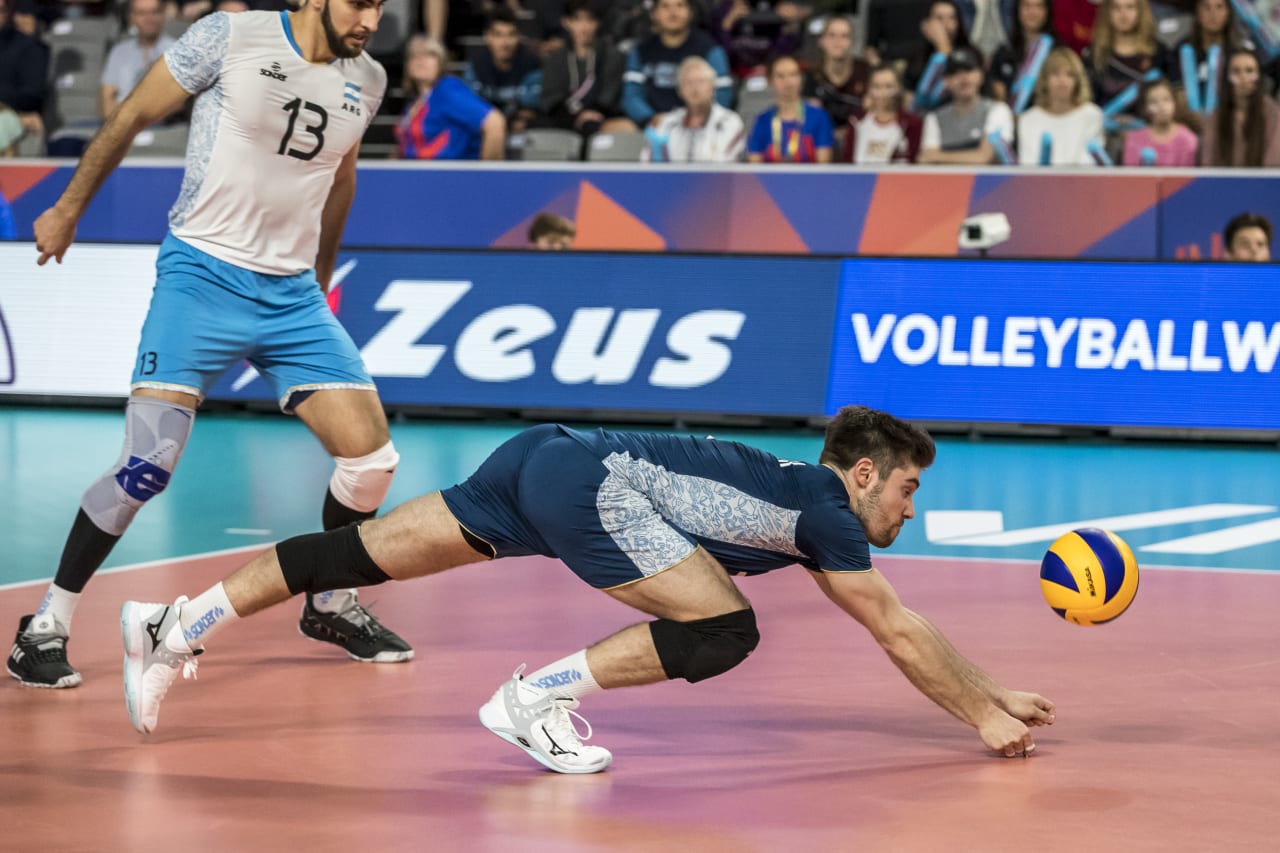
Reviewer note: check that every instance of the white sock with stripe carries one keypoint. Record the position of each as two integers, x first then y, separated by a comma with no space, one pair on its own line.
570,677
205,615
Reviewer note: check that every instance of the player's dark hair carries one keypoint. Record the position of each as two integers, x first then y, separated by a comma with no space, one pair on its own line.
500,15
857,432
1243,221
573,7
545,224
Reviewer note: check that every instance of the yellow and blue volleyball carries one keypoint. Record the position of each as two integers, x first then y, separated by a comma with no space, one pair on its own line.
1089,576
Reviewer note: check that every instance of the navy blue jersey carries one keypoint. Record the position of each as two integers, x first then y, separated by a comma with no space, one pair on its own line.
751,510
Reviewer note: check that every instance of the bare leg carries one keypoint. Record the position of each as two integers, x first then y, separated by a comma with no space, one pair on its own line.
697,588
349,422
417,538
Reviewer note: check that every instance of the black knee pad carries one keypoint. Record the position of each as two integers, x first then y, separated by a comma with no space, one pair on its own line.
318,562
705,648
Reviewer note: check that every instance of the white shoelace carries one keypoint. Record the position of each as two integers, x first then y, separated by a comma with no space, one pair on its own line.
560,724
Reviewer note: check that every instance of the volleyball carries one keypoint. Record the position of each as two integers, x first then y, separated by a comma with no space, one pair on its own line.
1089,576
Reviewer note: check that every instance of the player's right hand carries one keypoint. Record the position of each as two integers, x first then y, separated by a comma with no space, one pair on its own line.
54,232
1005,735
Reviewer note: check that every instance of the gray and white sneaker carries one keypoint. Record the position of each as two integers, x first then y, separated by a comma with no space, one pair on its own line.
541,724
155,652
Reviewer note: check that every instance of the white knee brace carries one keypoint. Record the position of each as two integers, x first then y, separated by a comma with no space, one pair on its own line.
362,483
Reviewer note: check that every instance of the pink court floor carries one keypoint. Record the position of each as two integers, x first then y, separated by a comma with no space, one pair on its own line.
1166,737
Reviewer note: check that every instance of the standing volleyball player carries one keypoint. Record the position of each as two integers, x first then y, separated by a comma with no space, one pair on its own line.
282,100
656,522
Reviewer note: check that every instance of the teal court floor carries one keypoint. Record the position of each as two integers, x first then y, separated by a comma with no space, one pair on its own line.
1166,737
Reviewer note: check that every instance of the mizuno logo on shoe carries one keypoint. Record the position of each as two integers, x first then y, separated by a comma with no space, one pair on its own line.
153,630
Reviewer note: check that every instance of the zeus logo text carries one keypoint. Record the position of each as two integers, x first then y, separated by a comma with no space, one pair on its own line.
598,345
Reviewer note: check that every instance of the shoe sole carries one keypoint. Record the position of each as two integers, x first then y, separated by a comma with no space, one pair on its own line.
131,634
511,737
380,657
62,683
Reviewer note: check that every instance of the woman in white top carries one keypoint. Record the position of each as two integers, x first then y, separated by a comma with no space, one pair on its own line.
1060,128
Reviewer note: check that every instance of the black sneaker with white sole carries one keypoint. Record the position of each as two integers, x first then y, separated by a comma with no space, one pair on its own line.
39,654
356,630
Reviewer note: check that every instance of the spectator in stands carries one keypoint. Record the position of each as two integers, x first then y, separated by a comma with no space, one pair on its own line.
1060,129
942,34
1073,22
1214,25
551,232
887,133
701,131
893,28
791,131
1245,129
130,58
504,72
751,33
24,70
11,132
1123,53
1247,237
187,10
962,131
988,23
649,84
582,81
444,119
1034,18
1165,141
838,79
30,19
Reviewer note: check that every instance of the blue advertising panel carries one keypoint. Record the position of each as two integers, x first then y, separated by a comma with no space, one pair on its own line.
578,331
1038,342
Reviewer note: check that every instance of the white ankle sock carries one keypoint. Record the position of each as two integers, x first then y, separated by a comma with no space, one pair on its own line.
61,604
205,615
570,677
333,601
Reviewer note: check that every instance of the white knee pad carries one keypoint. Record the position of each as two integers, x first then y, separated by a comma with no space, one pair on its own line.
362,483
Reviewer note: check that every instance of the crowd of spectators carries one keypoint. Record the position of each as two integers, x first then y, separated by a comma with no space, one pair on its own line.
975,82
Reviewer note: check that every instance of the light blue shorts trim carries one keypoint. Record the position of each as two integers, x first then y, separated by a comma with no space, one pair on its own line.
207,316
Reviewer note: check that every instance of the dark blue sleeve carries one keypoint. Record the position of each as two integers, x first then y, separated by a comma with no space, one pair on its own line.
633,83
833,538
823,136
758,141
8,230
463,106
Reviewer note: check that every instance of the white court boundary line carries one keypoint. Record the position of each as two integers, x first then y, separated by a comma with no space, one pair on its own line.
243,549
152,564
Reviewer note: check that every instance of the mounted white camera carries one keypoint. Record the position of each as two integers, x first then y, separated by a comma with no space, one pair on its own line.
984,231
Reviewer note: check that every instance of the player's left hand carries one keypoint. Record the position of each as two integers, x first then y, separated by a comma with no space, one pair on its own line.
54,232
1031,708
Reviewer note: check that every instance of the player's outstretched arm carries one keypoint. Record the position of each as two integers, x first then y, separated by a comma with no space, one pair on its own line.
930,665
157,96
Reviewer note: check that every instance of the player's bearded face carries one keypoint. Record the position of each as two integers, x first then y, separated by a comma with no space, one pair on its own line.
885,507
346,45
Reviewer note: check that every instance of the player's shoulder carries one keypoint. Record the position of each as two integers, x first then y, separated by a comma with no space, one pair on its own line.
366,70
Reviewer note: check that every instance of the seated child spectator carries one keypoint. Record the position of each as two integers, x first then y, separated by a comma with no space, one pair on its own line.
1123,54
887,133
1164,141
551,232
